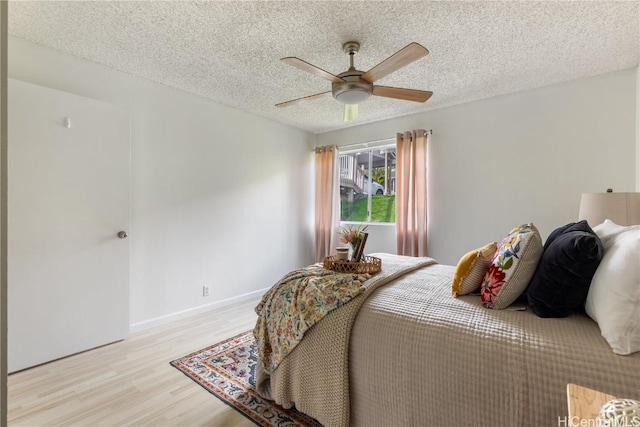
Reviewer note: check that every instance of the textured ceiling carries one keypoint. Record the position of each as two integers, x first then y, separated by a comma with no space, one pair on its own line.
229,51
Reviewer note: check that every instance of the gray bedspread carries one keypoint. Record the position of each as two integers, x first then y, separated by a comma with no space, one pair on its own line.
419,357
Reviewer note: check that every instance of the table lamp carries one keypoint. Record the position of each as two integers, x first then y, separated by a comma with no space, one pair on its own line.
621,208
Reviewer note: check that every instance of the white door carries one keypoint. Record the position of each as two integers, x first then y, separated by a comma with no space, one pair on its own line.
68,198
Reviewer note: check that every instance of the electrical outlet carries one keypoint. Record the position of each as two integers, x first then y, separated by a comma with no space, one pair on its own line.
205,291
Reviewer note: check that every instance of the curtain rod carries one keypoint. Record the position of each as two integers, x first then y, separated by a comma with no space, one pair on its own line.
367,143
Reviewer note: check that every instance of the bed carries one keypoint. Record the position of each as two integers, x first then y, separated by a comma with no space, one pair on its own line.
408,353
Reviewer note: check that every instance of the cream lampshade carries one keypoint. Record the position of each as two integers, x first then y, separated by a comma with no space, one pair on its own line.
621,208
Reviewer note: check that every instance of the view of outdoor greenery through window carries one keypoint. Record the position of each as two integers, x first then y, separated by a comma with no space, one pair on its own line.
368,185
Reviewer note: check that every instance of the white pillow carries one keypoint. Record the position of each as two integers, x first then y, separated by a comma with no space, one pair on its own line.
614,295
608,231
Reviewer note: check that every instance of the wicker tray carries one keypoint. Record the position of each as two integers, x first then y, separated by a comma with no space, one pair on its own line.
369,264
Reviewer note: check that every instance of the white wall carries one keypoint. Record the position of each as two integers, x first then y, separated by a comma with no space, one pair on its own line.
3,212
638,128
220,197
525,157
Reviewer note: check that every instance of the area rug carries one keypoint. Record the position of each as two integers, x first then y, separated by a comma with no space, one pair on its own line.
227,370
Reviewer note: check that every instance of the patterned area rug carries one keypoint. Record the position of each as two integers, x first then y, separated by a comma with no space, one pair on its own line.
227,370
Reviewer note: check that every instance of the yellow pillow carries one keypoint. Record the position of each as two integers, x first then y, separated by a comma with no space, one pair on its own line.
471,269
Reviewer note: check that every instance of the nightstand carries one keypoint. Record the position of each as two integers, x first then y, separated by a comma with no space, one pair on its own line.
585,404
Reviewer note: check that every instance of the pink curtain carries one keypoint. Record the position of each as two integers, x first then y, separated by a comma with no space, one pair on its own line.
327,201
411,193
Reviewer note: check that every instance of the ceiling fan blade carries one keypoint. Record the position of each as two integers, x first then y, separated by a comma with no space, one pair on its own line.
350,112
400,93
405,56
306,98
309,68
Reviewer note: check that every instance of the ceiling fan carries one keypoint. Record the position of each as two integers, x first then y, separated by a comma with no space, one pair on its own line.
354,86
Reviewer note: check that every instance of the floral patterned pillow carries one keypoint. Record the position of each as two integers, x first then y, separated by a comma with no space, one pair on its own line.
512,267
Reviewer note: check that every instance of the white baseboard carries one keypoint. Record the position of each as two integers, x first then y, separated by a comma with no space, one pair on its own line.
157,321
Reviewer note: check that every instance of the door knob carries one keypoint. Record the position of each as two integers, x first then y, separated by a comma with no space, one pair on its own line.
122,234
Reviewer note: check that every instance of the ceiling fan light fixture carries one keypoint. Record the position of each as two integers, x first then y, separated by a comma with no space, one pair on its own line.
354,96
352,92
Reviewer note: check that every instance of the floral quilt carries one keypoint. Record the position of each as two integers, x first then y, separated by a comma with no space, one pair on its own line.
296,303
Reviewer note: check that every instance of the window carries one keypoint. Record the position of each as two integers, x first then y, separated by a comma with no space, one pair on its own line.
368,185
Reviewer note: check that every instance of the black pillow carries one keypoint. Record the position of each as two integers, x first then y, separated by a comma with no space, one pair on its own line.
572,226
560,284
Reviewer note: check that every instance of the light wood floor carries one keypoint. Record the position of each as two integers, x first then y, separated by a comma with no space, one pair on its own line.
131,382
